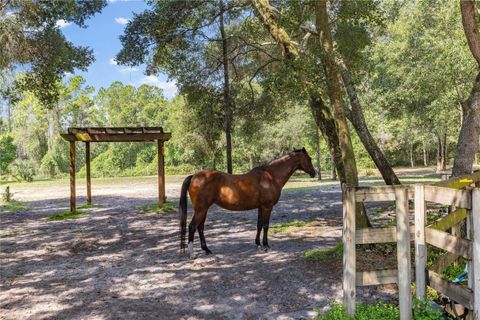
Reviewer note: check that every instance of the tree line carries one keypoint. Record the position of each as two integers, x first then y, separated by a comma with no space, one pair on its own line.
385,83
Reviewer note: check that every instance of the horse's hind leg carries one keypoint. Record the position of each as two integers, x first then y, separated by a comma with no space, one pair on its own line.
259,228
198,217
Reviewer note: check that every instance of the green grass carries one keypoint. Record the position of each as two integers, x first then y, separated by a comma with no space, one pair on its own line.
284,227
67,215
89,206
324,253
154,208
12,206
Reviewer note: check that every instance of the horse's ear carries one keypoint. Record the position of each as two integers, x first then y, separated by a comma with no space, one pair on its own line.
304,151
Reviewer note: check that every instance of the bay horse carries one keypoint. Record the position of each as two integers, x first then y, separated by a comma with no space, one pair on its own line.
260,189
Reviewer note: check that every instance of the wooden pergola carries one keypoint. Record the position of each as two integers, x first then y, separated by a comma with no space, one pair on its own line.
114,134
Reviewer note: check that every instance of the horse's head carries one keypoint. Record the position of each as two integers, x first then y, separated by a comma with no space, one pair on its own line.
306,162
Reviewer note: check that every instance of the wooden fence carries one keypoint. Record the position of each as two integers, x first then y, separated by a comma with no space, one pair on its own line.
465,204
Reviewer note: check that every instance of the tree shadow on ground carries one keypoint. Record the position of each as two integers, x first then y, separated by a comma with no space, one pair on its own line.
118,264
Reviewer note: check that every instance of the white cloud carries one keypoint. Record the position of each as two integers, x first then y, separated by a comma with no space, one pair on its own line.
113,61
169,88
129,69
121,20
62,23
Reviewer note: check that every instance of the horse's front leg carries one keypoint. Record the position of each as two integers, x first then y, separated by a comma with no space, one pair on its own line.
259,228
265,223
203,243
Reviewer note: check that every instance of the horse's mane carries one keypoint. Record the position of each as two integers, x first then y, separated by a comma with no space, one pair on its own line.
278,160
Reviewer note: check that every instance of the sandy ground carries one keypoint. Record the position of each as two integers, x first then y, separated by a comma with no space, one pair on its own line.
119,264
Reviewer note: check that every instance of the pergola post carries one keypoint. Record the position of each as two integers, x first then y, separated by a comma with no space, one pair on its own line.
161,174
87,166
73,205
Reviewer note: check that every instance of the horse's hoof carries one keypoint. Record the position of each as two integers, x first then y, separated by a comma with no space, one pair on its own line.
207,252
266,248
259,247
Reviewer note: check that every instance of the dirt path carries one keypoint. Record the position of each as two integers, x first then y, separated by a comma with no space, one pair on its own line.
118,264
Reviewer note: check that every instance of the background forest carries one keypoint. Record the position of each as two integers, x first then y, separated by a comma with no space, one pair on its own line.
409,61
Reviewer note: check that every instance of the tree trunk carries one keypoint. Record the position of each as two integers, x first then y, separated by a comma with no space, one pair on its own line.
444,152
412,161
425,153
357,119
326,123
333,172
335,92
334,128
439,153
468,144
468,141
227,112
317,152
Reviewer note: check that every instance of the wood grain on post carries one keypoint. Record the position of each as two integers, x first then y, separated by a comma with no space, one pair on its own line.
349,255
87,166
476,251
420,247
73,205
161,174
403,254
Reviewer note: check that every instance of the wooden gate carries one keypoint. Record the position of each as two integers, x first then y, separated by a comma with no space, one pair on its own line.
467,206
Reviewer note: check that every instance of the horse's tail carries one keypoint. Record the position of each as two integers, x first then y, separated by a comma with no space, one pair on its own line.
182,210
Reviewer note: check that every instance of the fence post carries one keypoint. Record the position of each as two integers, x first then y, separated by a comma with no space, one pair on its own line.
476,251
403,254
349,257
420,247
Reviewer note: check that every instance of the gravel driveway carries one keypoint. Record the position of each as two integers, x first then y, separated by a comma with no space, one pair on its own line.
118,264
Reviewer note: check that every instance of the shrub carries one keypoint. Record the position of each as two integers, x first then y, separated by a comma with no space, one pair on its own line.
48,166
22,170
377,311
422,310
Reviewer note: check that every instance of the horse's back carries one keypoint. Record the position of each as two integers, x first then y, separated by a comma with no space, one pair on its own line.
230,191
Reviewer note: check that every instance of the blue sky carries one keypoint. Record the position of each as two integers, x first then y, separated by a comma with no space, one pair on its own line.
102,35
